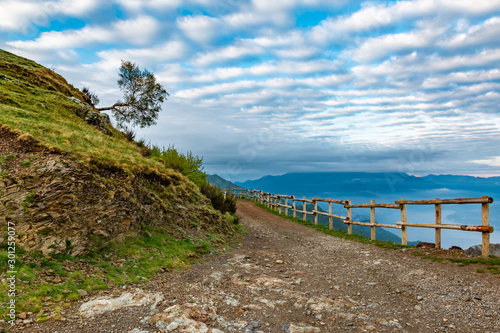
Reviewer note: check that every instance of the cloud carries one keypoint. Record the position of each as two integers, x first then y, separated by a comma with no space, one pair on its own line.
374,76
23,16
241,49
202,29
379,47
487,32
165,52
138,31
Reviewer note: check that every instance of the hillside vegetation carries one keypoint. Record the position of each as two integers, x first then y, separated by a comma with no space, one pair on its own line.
75,187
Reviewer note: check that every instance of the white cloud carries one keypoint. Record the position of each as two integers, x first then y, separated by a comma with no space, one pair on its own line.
379,47
232,52
23,16
140,5
138,31
419,64
171,50
461,77
202,29
487,32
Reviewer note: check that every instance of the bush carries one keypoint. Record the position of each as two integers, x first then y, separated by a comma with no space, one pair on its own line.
129,134
216,196
145,151
188,164
90,96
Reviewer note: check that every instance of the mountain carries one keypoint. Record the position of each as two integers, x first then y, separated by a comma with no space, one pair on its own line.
220,182
370,184
308,184
361,187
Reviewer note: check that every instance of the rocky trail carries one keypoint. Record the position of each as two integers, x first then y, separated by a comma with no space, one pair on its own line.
285,277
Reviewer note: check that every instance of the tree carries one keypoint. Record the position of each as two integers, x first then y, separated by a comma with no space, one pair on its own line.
142,97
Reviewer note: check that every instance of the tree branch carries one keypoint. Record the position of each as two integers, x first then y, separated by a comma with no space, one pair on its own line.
114,107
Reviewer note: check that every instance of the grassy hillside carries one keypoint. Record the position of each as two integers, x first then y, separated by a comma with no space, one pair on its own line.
92,209
35,100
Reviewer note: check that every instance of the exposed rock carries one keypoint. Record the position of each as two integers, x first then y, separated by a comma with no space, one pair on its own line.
301,329
62,207
182,318
477,250
91,116
426,245
104,304
82,292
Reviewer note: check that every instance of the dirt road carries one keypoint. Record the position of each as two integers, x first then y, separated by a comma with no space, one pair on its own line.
285,277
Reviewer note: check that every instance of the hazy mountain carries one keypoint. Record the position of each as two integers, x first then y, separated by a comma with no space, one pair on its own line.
363,183
361,187
220,182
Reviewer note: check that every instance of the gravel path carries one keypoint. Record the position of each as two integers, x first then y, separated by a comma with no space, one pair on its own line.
285,277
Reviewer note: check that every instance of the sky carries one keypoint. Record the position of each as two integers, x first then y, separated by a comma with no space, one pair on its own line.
260,87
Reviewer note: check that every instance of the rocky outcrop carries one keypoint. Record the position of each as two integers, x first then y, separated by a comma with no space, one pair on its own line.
60,206
476,250
100,121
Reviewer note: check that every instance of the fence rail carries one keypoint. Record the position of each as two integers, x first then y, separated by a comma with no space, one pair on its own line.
278,202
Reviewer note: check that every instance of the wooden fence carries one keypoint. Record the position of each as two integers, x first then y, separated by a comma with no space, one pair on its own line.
280,202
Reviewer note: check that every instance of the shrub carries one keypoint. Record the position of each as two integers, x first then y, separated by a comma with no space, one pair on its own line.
145,151
129,134
216,196
90,96
188,164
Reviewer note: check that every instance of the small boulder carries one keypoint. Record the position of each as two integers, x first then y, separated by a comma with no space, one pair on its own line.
426,245
477,250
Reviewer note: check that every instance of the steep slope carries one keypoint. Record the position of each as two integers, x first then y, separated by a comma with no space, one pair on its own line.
70,182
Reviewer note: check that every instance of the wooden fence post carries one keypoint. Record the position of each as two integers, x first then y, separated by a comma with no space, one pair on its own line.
286,206
330,219
349,217
437,209
315,212
485,213
279,204
294,207
372,219
304,207
404,235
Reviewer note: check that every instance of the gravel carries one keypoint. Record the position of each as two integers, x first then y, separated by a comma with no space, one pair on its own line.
285,277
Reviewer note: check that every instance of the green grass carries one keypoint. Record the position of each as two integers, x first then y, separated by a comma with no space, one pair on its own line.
491,264
36,104
133,260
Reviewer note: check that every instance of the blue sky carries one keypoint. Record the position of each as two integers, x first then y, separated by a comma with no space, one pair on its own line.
268,87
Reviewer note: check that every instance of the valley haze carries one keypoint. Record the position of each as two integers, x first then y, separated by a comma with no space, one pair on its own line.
361,187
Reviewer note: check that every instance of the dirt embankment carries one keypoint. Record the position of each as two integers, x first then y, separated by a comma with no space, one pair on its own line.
288,278
60,206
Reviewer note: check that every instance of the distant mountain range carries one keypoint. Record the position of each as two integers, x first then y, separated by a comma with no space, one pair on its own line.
220,182
361,187
366,184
